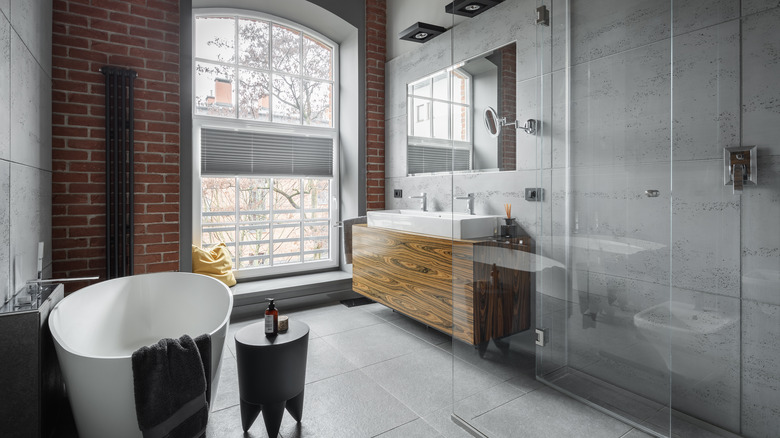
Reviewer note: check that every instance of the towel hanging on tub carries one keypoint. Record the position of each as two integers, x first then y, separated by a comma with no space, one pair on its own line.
172,387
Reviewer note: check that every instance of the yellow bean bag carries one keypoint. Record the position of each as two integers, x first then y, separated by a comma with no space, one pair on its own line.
214,263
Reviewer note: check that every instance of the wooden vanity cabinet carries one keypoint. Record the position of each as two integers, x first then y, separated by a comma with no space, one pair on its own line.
473,290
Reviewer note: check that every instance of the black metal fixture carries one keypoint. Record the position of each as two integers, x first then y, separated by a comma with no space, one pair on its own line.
421,32
470,8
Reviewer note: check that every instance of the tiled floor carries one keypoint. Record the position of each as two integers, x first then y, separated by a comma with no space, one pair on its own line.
374,373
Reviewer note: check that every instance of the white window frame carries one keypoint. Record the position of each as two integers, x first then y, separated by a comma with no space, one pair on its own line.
200,121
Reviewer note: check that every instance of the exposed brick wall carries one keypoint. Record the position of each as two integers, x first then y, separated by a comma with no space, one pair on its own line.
376,24
142,35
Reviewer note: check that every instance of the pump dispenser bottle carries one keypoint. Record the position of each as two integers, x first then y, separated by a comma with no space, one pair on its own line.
271,319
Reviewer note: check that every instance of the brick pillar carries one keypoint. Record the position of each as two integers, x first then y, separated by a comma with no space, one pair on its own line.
142,35
376,23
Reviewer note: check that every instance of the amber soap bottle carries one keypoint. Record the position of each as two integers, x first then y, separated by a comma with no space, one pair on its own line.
271,319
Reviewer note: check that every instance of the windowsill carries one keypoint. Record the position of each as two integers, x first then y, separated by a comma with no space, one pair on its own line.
254,292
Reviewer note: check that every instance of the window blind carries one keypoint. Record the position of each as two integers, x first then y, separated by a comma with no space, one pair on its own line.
230,152
423,159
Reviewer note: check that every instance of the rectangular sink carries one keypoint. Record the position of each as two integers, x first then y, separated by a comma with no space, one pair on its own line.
434,223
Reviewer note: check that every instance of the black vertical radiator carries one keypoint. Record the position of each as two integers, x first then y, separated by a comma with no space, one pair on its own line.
119,171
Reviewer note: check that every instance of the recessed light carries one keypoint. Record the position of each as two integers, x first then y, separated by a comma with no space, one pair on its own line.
421,32
472,7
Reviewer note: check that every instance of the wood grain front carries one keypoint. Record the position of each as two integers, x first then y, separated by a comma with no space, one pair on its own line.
411,273
472,290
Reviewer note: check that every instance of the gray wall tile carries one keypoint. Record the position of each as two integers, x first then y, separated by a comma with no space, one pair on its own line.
760,373
31,109
32,20
760,70
30,218
5,86
690,15
5,232
753,6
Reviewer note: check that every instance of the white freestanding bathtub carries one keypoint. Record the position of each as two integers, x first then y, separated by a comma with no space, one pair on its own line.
97,329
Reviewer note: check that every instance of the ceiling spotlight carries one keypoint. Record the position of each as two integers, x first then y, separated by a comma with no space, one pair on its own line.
470,8
421,32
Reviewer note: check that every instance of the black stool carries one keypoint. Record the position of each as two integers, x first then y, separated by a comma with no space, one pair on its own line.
271,374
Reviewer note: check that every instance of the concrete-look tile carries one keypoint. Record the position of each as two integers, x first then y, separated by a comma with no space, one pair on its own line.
636,433
753,6
31,116
680,428
30,221
5,89
760,373
422,331
381,311
605,27
690,15
348,405
423,380
395,146
32,20
761,237
337,319
515,363
369,345
5,7
415,429
548,413
483,401
227,390
6,291
706,92
226,423
760,70
441,420
324,361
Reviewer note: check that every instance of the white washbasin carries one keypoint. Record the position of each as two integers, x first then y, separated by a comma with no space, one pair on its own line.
435,223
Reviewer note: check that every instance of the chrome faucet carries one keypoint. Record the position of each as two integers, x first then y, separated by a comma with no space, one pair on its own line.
424,197
469,202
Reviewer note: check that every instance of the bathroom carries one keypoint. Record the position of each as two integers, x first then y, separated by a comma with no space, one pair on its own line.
655,284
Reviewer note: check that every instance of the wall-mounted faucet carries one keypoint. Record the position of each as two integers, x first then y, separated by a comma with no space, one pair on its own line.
424,197
469,202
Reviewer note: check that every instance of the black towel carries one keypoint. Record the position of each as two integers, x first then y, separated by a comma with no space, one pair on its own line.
171,380
348,235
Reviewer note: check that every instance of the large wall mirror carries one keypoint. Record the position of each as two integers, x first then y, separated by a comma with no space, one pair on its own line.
445,110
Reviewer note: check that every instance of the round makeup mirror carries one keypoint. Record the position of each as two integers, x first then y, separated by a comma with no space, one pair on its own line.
492,123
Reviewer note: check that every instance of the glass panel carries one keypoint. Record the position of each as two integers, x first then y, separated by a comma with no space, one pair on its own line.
287,199
254,245
422,88
441,120
317,103
214,89
286,99
253,95
440,86
461,88
218,200
316,198
215,38
286,54
316,238
421,117
317,59
460,123
254,199
287,243
253,43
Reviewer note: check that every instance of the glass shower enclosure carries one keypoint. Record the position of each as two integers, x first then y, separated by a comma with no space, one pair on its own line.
655,241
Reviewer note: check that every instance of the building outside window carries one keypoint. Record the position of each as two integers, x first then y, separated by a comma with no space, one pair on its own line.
265,108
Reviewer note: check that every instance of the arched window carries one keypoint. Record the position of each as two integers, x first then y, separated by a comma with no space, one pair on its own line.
264,116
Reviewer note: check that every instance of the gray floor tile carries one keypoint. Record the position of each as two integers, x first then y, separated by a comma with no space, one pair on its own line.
441,420
680,428
483,401
415,429
381,311
336,319
325,361
422,331
227,424
227,389
504,366
376,343
636,433
347,405
423,380
548,413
